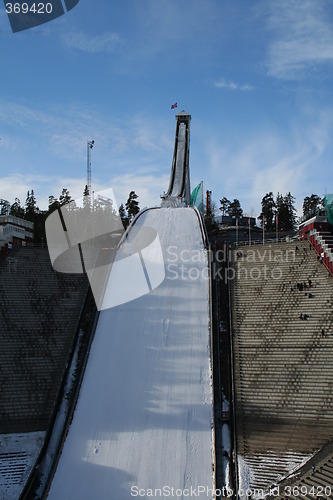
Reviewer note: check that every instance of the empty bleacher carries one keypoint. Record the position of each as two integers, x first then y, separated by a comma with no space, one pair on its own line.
283,364
39,314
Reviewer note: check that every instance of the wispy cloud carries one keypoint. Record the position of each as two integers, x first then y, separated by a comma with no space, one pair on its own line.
302,37
167,34
54,140
144,135
228,85
269,159
107,42
62,130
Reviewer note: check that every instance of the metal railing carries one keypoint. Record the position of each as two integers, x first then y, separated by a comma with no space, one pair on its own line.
233,397
327,251
284,239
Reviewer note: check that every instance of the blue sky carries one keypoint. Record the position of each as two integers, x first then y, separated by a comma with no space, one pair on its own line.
257,78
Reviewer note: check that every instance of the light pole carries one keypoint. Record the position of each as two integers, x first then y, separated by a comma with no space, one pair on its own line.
90,145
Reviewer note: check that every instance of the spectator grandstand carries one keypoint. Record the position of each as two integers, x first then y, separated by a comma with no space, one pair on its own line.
39,315
282,322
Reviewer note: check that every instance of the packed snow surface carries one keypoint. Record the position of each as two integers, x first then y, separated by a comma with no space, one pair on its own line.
144,415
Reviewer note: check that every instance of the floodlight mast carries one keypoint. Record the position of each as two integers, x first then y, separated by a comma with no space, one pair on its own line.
90,145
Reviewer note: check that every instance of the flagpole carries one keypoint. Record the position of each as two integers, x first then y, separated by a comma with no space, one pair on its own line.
263,230
236,232
249,233
277,228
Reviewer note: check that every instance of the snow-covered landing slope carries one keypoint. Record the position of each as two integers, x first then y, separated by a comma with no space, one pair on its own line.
144,415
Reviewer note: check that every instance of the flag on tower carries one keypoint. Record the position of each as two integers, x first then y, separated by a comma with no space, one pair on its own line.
173,106
196,197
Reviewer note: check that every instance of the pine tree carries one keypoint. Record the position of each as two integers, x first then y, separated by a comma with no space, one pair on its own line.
278,219
30,204
311,204
132,206
289,202
16,209
33,214
65,197
286,212
123,216
86,198
224,205
235,209
4,207
53,204
267,211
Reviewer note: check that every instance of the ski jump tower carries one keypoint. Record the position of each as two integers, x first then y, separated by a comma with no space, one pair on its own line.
179,191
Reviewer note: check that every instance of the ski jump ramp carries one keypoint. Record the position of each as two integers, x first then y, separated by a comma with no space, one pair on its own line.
179,191
143,424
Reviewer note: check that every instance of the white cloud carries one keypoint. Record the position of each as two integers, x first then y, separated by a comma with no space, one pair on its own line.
107,42
17,185
61,133
293,159
128,155
148,187
228,85
302,37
